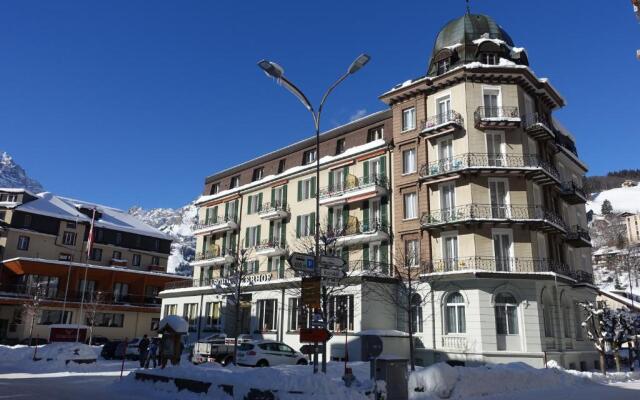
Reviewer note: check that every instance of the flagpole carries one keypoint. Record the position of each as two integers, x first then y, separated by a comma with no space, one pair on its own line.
86,269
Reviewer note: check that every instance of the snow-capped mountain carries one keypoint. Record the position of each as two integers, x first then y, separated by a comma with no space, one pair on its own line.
13,175
177,223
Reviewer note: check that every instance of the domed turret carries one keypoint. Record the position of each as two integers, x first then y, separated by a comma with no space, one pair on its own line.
473,38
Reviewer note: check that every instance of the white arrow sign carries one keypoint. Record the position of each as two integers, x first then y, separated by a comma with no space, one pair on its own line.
331,262
332,273
302,262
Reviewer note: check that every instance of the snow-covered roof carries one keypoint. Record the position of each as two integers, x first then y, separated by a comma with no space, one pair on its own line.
16,190
622,199
50,205
379,143
178,324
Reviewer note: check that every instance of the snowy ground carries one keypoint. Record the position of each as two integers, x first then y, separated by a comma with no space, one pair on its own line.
21,378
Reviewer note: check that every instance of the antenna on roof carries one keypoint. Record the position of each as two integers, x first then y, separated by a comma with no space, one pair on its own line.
468,7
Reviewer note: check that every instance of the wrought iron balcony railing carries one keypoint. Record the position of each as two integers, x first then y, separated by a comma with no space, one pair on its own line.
536,121
352,183
274,206
271,244
573,193
497,113
489,212
90,297
578,236
213,252
354,227
489,161
215,220
493,264
446,118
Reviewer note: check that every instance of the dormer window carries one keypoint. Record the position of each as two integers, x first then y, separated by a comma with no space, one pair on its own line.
443,66
489,58
257,174
308,156
235,182
215,188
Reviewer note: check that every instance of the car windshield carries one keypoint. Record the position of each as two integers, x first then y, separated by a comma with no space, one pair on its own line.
245,347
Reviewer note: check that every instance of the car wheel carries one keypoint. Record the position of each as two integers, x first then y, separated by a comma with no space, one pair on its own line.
302,361
262,363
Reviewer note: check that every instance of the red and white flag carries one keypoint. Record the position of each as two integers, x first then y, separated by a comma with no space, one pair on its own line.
90,239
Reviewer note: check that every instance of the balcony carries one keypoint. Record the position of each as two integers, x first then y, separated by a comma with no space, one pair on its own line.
496,117
530,165
492,264
271,248
213,256
354,189
216,224
24,291
572,193
458,343
274,210
537,217
538,127
355,232
442,124
577,236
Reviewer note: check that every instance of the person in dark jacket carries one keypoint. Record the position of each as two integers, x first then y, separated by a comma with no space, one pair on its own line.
153,351
143,349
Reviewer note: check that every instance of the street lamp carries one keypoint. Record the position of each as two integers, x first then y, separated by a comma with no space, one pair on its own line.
274,70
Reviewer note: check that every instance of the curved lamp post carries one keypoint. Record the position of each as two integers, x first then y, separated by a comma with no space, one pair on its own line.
274,70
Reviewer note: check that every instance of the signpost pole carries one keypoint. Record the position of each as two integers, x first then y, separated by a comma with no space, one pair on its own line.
126,341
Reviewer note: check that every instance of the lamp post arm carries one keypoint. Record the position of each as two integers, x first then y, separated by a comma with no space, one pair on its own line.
297,92
328,92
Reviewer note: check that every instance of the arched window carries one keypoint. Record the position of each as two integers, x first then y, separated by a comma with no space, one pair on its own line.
547,317
454,314
506,314
417,324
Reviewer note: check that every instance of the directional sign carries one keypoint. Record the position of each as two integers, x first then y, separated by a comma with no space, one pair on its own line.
331,262
332,273
302,262
311,288
314,335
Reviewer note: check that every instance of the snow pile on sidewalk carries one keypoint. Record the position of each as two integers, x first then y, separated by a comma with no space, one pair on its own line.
50,352
441,381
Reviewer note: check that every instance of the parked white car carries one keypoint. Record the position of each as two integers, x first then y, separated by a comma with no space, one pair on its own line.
132,349
265,353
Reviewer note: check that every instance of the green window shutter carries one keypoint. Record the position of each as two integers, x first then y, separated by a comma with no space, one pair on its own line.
224,245
365,214
383,166
331,180
206,215
298,226
384,256
246,238
330,218
269,265
384,212
204,244
245,268
365,168
283,233
258,234
313,186
345,215
365,256
249,201
299,190
271,231
260,202
273,196
233,242
281,270
313,223
345,256
214,215
284,195
345,173
226,210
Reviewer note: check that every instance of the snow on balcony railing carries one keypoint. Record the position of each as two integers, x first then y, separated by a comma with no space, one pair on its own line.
441,120
214,220
352,184
484,160
493,264
213,252
498,115
273,206
354,227
491,212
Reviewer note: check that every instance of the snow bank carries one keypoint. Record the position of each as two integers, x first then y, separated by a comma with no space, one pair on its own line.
178,324
622,199
439,380
57,351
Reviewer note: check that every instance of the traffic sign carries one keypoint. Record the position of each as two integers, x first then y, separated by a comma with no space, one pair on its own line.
331,262
332,273
302,262
311,288
314,335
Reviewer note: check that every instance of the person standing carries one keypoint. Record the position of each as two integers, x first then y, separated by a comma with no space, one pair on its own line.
153,350
143,349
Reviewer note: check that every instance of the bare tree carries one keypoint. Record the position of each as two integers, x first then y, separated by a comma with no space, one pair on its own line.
594,326
31,308
96,300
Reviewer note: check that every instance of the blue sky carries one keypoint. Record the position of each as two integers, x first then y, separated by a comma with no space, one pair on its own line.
135,102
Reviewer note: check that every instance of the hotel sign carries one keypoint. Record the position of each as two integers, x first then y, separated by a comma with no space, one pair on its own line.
246,280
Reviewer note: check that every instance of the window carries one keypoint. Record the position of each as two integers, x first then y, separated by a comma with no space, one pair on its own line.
252,267
408,119
151,291
27,221
299,315
120,291
136,260
491,98
409,161
498,193
155,260
50,317
267,315
215,188
375,134
443,105
48,284
410,205
337,180
489,58
547,319
109,320
307,188
99,235
443,66
417,323
496,149
87,287
71,225
412,252
235,182
258,173
117,255
65,257
281,165
3,215
118,237
502,250
253,236
577,315
450,251
96,254
506,309
305,226
454,314
23,243
190,313
170,309
212,314
340,146
308,156
341,313
254,203
567,320
69,238
448,201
